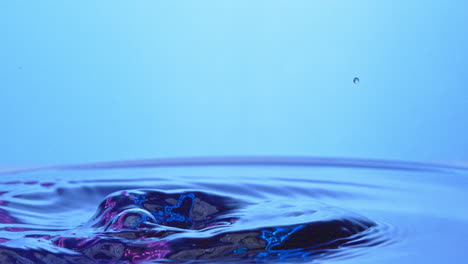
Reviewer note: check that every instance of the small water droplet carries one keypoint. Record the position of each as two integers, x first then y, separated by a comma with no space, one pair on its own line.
356,80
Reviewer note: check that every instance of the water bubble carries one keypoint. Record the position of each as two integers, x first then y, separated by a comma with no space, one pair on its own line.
356,80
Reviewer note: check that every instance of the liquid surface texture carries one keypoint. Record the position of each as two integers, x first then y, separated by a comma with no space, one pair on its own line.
234,210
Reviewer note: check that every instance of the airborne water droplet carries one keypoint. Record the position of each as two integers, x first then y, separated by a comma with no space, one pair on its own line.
356,80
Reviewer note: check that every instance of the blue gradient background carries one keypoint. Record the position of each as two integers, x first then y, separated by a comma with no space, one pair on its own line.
84,81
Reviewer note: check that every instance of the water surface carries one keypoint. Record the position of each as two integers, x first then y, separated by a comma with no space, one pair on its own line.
235,210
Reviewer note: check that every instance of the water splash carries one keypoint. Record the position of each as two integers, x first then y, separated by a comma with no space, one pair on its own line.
145,225
238,210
